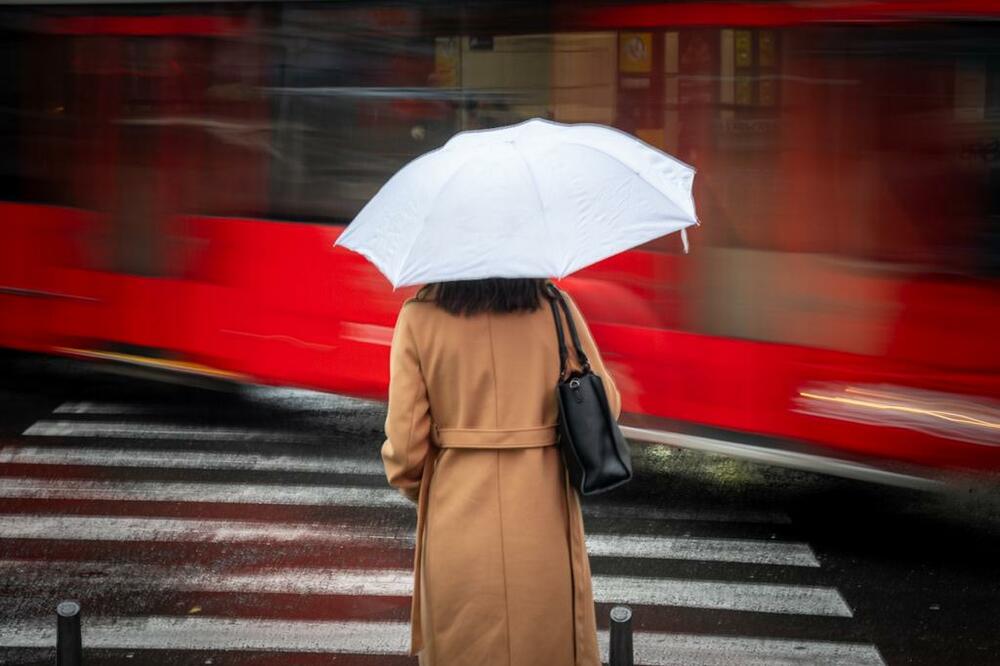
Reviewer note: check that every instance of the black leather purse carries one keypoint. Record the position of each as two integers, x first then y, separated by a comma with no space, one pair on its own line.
594,451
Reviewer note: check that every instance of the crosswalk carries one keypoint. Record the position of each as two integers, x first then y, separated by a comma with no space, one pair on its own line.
390,638
188,536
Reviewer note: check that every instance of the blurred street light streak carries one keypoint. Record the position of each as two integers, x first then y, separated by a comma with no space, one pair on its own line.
948,416
930,412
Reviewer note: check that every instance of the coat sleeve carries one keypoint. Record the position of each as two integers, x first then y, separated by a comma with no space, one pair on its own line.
408,423
596,362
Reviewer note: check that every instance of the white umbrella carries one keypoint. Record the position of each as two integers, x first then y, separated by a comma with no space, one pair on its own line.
538,199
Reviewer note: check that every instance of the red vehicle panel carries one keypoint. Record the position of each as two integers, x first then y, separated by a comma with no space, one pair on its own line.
175,204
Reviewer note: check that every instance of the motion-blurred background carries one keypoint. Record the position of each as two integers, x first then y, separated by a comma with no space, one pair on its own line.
173,176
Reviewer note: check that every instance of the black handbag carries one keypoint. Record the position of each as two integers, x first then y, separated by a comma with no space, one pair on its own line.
594,451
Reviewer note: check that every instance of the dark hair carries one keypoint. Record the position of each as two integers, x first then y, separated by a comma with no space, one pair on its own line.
499,295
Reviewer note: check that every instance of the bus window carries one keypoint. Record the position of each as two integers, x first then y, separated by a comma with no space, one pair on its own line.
350,106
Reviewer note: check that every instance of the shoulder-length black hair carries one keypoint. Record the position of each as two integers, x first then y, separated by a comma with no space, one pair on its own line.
498,295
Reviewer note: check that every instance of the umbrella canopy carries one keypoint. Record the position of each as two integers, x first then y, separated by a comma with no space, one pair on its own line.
538,199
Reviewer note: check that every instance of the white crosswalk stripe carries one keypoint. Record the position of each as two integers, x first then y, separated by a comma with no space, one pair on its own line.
187,459
98,478
652,649
696,548
107,408
248,493
114,528
231,493
391,638
751,597
132,430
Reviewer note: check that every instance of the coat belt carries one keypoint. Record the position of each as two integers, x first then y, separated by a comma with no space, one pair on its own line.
494,438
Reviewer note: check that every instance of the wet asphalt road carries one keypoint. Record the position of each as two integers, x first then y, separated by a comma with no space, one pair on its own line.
254,528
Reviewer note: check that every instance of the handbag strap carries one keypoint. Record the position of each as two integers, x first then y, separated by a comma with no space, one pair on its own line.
557,301
563,352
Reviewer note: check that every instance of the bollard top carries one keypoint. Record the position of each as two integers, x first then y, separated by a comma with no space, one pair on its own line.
68,609
621,614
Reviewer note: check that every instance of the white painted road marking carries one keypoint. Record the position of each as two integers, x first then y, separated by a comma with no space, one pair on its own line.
289,400
373,638
748,597
133,430
657,649
183,459
247,493
217,493
105,408
392,638
105,528
211,633
749,551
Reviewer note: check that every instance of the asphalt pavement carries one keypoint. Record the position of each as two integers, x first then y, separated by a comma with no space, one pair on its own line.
255,527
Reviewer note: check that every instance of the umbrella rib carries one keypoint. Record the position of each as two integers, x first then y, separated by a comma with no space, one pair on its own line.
663,195
541,204
423,222
639,173
624,134
641,177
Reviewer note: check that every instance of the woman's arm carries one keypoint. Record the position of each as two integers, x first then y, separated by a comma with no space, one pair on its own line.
594,355
408,423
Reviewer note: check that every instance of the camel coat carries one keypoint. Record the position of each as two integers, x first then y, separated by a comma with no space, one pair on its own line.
501,574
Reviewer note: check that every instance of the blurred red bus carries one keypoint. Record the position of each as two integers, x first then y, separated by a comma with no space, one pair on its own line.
173,178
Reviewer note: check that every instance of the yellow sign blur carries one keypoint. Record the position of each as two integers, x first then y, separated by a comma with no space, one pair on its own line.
447,59
635,52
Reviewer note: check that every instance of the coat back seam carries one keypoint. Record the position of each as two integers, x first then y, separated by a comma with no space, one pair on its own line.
503,564
493,361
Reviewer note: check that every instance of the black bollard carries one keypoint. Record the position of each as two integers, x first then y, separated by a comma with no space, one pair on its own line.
620,651
69,644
